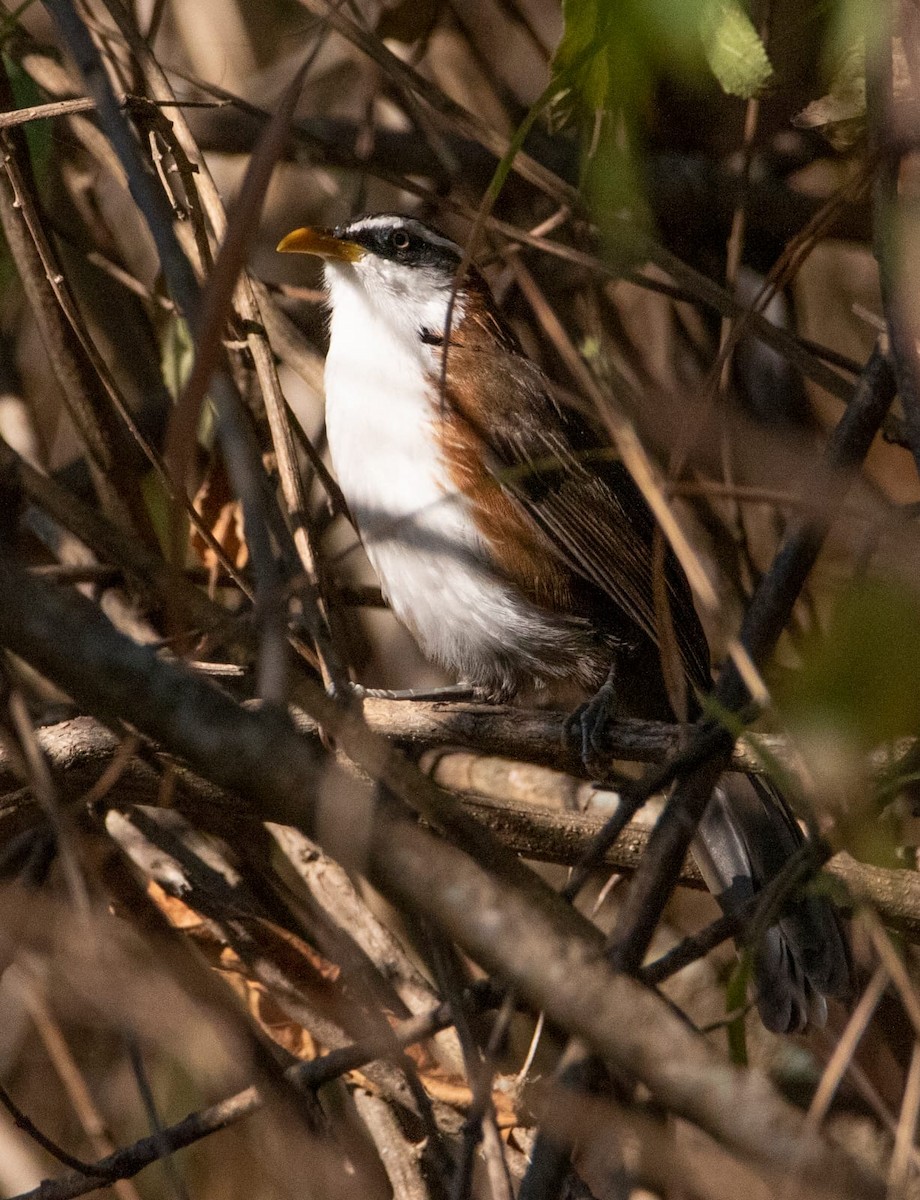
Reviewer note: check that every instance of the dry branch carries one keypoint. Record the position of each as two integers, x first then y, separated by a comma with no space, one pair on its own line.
131,1160
494,908
80,750
764,621
255,765
76,364
398,1155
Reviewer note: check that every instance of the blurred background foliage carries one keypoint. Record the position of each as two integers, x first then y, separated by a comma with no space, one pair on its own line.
706,157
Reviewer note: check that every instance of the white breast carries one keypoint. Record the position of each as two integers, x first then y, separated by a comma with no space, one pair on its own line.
433,566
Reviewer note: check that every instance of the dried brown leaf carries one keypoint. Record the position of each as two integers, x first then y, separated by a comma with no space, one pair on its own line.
222,514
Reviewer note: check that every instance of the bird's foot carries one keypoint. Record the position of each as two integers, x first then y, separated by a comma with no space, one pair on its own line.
589,728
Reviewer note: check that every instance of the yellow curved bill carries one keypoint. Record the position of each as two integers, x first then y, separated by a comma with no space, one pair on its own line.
321,242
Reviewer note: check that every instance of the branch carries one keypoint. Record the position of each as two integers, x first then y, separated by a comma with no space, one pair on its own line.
895,229
308,1076
28,1126
240,448
80,750
81,745
398,1155
59,321
502,915
691,284
709,752
766,618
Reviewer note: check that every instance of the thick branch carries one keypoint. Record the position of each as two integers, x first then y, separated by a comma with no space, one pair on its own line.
80,750
508,922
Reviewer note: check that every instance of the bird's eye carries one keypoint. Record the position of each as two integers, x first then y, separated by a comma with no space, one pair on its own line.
400,240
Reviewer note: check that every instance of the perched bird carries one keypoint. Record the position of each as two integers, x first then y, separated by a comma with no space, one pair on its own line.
517,549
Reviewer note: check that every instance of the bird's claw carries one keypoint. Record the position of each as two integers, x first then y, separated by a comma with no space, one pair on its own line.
589,728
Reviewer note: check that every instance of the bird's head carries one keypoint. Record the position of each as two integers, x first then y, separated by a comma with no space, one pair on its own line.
402,268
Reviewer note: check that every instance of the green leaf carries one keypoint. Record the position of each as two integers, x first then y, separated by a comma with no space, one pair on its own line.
160,510
860,678
612,50
733,48
580,68
177,354
736,1002
841,114
26,94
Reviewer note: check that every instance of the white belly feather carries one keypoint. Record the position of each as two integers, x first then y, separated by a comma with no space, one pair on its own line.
432,563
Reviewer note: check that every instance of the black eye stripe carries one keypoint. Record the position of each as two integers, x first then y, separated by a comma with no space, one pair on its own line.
407,246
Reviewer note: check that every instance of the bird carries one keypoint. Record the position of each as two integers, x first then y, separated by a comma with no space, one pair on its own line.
518,551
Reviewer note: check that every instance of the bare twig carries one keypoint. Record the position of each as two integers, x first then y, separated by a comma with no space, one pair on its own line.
144,187
234,238
60,324
906,1132
308,1076
81,104
896,235
241,451
764,622
692,285
173,1176
846,1047
44,790
504,917
399,1157
80,751
67,1070
29,1127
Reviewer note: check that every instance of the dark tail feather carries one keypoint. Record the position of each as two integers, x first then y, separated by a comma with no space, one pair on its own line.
745,837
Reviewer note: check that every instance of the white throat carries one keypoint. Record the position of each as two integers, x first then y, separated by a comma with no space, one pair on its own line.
433,565
379,408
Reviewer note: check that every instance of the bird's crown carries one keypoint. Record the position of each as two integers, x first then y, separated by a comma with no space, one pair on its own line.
401,239
393,237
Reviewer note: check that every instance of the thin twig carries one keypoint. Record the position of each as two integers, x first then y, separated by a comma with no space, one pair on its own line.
846,1047
234,237
399,1157
501,914
143,1084
893,963
906,1132
241,451
31,1129
765,620
895,232
692,286
64,108
308,1076
711,742
30,989
60,323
